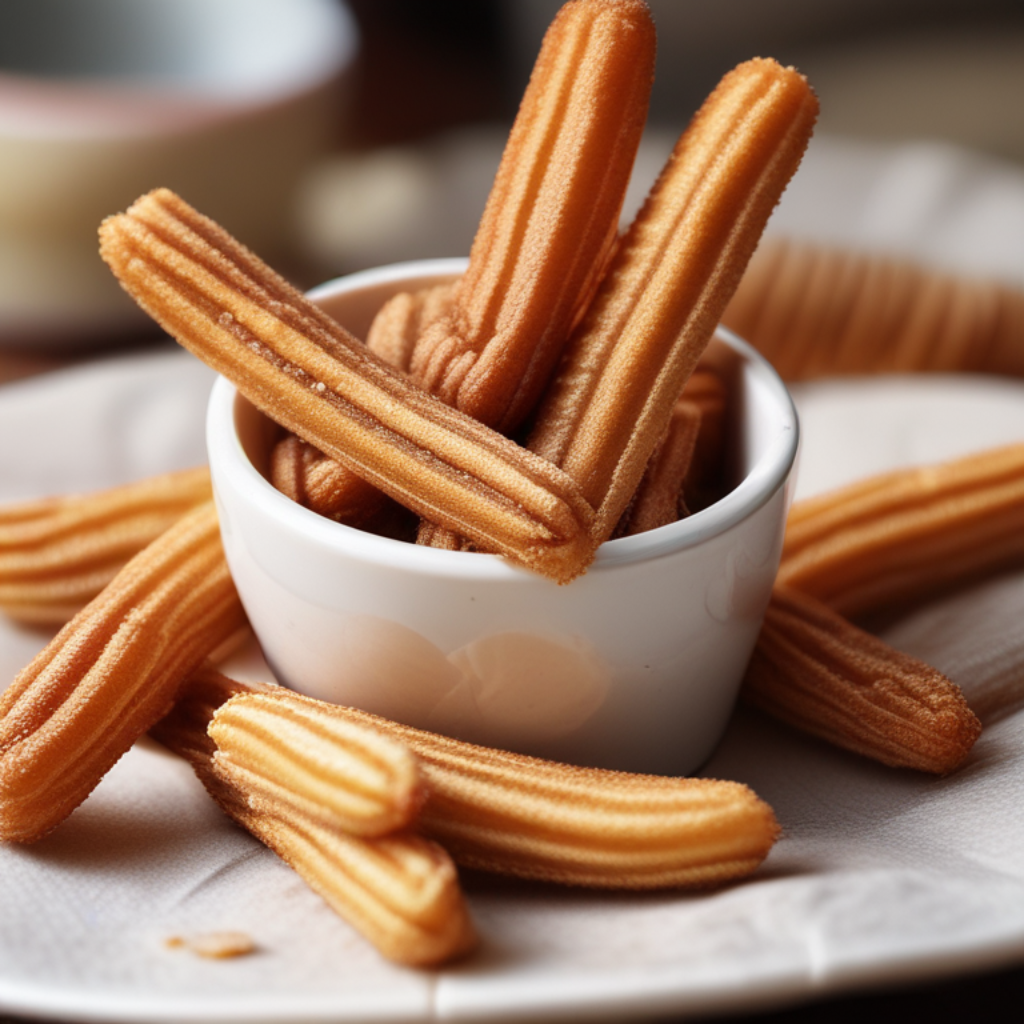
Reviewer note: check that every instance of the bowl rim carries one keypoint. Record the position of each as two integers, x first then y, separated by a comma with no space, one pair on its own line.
231,464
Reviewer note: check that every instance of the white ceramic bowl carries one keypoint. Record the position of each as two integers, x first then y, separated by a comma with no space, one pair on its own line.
225,101
635,665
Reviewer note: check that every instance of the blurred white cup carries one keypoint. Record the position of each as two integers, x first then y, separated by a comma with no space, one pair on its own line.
224,101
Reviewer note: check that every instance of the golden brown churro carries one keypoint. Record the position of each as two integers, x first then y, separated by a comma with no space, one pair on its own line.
315,379
487,344
818,672
325,486
816,311
671,278
403,319
501,812
400,891
57,554
659,499
551,217
348,776
523,816
902,536
316,482
707,479
892,539
111,672
433,536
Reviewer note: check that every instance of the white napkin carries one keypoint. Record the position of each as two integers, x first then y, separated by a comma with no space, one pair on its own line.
880,874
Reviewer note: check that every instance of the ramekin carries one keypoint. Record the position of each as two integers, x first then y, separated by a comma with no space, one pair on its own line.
635,666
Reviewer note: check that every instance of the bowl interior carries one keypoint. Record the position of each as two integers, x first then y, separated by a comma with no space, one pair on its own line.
761,428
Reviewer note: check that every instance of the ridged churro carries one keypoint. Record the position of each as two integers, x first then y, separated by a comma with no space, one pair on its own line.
669,282
57,554
889,540
816,311
323,485
315,379
311,479
488,344
659,498
817,671
902,536
348,776
505,813
400,891
685,473
111,672
552,215
707,478
515,815
433,536
403,319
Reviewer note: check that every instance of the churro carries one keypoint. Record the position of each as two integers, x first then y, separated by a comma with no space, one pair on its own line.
487,344
305,371
659,498
433,536
669,282
111,672
58,553
321,484
348,776
551,218
515,815
902,536
400,891
817,671
325,486
685,473
889,540
817,311
707,478
403,319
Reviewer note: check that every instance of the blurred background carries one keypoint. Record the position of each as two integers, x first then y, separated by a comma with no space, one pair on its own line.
333,136
438,83
885,68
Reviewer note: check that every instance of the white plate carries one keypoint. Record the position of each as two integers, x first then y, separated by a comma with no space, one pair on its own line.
880,876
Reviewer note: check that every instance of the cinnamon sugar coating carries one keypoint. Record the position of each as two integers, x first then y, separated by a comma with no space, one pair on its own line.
315,379
817,671
58,553
669,282
111,672
399,890
551,218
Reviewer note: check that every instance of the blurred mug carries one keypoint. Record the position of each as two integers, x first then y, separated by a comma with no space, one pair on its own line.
224,101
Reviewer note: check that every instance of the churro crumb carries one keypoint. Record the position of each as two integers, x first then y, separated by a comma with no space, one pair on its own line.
214,945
